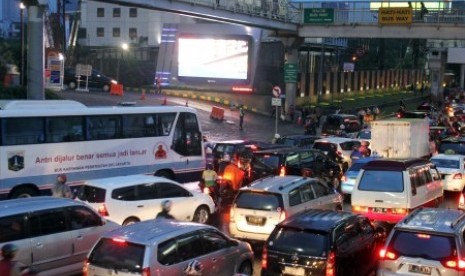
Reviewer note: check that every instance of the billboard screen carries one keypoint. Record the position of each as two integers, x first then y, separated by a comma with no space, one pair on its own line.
219,57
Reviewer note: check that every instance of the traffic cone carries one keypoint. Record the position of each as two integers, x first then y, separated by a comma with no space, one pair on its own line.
187,102
142,97
164,101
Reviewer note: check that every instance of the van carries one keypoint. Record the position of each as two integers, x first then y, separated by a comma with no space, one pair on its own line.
387,190
53,235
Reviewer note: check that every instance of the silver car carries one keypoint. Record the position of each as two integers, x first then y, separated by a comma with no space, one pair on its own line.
168,247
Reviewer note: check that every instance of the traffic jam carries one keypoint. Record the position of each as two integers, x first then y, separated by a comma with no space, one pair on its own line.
360,196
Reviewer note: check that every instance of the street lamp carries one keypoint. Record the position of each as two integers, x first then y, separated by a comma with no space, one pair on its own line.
124,47
21,9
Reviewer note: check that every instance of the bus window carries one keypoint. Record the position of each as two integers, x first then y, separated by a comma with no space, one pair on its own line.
187,139
104,127
19,131
64,129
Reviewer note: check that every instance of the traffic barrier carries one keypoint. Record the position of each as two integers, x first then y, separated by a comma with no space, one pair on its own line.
217,113
116,89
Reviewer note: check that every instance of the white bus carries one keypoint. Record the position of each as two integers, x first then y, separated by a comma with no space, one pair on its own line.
41,139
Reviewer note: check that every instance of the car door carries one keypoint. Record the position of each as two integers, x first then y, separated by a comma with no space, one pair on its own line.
183,203
219,251
325,197
125,203
297,202
51,241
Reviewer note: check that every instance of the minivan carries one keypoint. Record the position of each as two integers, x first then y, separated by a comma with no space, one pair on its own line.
53,235
387,190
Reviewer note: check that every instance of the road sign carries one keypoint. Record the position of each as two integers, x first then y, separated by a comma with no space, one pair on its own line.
83,70
276,91
319,15
399,16
290,72
275,101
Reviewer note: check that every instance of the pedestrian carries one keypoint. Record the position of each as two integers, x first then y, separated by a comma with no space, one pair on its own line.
9,267
158,84
241,116
165,210
61,189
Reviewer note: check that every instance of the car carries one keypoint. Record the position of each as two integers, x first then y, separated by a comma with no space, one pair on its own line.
53,235
452,170
257,209
293,161
298,140
322,242
133,198
96,80
429,241
349,177
364,135
339,146
411,114
168,247
333,123
452,145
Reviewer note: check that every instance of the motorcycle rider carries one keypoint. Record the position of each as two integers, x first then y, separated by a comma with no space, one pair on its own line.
209,177
165,210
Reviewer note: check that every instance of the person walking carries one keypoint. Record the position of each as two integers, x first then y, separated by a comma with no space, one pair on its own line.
165,210
241,116
60,189
9,267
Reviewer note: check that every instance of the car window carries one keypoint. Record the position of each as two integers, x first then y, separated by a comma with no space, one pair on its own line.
446,163
212,241
428,246
188,247
292,159
118,255
82,217
381,181
306,193
286,141
324,146
167,252
48,222
349,145
124,194
168,190
259,201
147,191
271,161
91,194
294,197
292,240
307,157
319,189
12,228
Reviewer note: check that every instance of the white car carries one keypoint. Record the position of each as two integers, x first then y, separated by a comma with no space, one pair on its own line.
451,168
133,198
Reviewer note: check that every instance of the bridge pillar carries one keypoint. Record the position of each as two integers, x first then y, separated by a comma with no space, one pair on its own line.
462,76
437,61
291,56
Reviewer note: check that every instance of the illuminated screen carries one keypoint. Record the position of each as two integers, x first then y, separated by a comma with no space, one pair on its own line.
219,58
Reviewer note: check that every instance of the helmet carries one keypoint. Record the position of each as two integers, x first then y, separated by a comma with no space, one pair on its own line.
9,251
166,205
62,178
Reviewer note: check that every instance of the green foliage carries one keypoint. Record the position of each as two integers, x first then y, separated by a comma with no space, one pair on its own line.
20,93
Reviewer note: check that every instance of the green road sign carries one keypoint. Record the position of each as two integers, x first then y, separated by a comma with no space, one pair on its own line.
290,72
319,15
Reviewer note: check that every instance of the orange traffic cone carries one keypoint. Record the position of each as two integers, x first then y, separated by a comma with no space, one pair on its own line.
187,102
142,97
164,102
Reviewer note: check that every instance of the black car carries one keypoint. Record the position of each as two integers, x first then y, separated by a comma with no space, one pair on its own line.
96,80
452,145
297,140
333,123
321,242
294,161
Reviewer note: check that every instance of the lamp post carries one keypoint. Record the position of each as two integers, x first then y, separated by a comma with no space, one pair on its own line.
21,9
124,47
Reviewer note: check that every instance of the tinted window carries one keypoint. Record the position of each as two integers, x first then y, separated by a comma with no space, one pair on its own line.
167,190
349,145
307,193
187,140
18,131
104,127
453,148
259,201
319,189
48,222
294,197
82,217
292,160
167,252
188,247
382,181
307,157
64,129
286,141
125,193
356,166
118,255
446,163
212,242
324,146
12,228
271,161
295,240
432,247
91,194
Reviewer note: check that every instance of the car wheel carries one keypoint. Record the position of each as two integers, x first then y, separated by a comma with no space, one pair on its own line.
72,85
106,88
245,268
23,192
338,208
130,221
201,215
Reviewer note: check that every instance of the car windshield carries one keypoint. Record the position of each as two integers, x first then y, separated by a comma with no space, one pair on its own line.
382,181
118,255
452,148
420,245
91,194
292,240
259,201
446,163
286,141
324,146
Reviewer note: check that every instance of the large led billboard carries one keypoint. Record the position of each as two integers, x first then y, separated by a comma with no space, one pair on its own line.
215,57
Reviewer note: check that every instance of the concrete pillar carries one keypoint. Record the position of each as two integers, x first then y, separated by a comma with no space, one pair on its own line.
462,75
292,57
35,53
437,62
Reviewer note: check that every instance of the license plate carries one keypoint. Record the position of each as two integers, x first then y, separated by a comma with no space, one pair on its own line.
379,210
255,220
420,269
289,270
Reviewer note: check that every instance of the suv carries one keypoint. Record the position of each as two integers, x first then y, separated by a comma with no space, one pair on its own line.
168,247
332,125
53,235
297,140
321,242
96,80
258,208
429,241
292,161
133,198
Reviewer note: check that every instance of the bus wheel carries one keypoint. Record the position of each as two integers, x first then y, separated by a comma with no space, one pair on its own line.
23,192
166,174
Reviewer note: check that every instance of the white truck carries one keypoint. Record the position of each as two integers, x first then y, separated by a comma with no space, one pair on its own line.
400,138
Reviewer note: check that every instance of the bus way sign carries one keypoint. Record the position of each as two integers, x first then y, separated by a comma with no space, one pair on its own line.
399,16
319,15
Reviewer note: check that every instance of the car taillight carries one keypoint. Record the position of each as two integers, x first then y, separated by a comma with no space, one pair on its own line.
456,264
330,264
399,211
457,176
146,271
231,214
385,254
264,258
102,210
85,268
359,209
282,171
399,115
